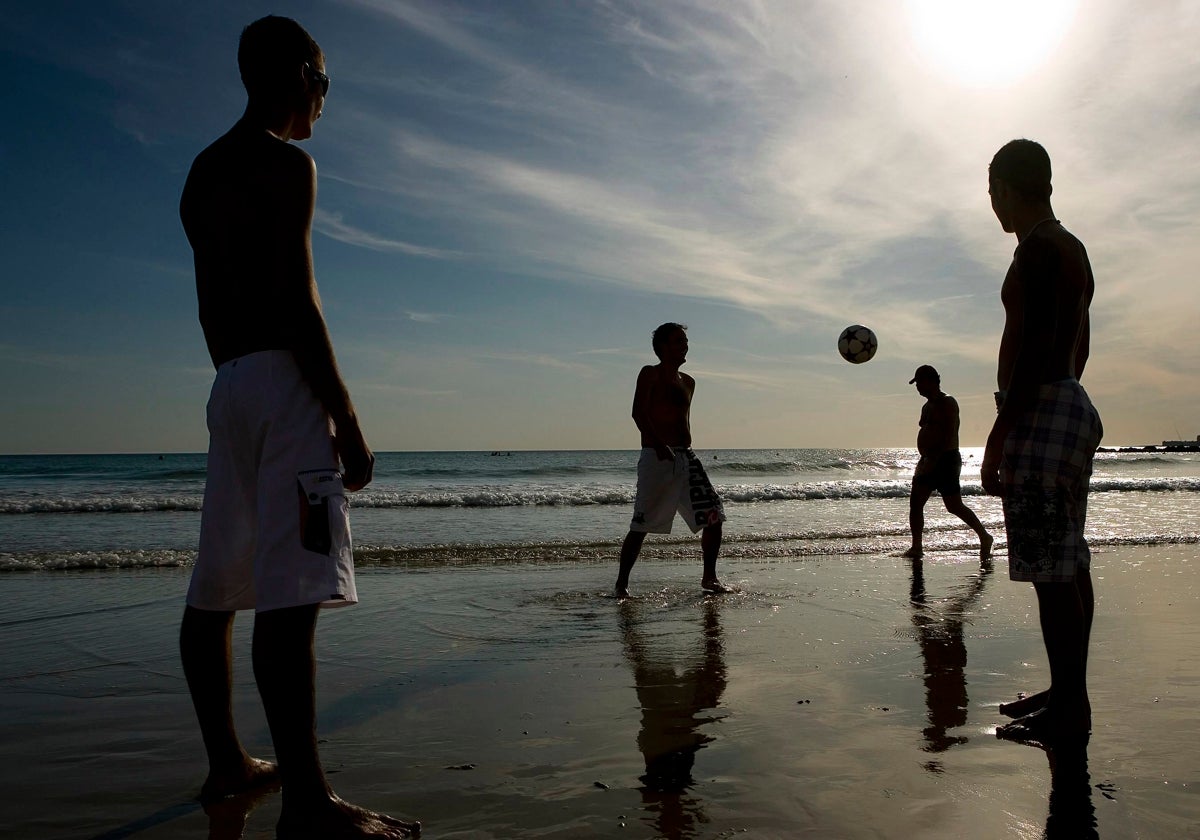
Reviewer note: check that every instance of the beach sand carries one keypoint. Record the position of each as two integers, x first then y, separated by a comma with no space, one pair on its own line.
833,697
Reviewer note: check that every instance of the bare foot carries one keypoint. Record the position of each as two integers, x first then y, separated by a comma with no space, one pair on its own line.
716,587
622,592
1025,704
1048,729
985,546
913,553
337,819
254,773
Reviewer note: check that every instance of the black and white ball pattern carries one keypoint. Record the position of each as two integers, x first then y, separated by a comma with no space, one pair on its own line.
857,344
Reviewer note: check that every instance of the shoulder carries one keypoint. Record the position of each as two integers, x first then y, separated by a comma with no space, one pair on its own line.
296,160
292,168
943,405
240,150
1037,249
687,380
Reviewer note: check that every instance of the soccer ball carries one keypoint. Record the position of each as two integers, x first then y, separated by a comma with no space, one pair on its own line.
857,344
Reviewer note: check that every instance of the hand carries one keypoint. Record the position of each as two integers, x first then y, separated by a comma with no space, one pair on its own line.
358,461
664,452
989,470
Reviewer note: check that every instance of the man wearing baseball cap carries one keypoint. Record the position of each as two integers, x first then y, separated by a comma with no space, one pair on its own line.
940,463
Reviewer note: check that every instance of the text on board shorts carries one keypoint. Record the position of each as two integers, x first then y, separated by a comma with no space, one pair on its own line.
665,488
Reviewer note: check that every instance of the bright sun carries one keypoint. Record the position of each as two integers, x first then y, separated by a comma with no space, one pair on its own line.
986,43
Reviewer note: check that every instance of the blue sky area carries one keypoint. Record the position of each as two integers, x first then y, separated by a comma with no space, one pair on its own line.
512,195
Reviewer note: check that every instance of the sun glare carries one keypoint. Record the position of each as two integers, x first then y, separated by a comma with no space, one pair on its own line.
985,43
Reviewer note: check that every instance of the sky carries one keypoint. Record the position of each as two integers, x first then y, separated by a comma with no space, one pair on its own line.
512,195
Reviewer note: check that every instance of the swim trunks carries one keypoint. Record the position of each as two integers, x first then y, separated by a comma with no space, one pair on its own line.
275,529
944,475
667,487
1046,468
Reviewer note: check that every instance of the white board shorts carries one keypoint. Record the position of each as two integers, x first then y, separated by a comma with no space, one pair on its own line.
275,529
665,488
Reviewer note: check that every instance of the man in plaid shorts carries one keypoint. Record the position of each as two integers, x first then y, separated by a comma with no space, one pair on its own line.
1039,452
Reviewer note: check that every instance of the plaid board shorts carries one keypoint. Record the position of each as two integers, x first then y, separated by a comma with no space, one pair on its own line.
1046,469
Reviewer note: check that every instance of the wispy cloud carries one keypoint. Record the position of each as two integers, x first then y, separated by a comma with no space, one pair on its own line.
332,225
541,360
787,161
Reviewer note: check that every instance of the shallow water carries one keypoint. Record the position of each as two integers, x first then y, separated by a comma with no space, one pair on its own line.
832,697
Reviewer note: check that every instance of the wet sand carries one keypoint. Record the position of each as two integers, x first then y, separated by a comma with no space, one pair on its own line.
840,697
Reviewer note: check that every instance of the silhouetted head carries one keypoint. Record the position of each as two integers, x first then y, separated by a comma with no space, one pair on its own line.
926,372
280,63
1025,167
927,380
663,334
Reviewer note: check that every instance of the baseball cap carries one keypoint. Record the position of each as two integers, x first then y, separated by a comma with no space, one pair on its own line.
925,372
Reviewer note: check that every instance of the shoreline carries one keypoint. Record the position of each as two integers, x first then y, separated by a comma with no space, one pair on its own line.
834,696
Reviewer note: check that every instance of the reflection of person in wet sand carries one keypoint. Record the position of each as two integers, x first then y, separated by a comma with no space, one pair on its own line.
940,464
1071,816
940,634
1039,453
671,478
673,706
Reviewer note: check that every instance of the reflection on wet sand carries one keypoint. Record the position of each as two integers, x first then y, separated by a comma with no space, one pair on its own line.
227,817
1072,816
674,704
939,632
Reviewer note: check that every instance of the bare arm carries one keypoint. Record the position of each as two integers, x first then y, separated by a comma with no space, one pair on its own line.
308,335
1084,348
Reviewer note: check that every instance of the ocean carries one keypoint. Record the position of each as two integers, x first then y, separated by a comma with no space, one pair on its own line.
490,685
64,512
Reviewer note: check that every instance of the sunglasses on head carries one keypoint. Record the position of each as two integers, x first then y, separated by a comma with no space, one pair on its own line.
319,77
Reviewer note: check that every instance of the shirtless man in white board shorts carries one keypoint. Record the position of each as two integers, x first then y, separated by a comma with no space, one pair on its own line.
671,479
274,534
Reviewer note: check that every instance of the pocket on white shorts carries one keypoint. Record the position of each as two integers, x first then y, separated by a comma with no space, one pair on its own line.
324,514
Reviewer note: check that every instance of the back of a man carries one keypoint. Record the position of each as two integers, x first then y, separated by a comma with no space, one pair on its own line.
274,534
235,209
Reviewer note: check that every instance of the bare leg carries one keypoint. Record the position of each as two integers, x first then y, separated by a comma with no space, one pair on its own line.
710,547
1087,598
1065,630
916,516
205,639
629,555
285,669
954,504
